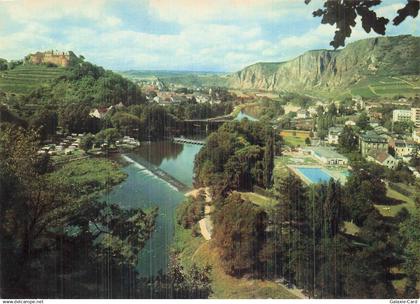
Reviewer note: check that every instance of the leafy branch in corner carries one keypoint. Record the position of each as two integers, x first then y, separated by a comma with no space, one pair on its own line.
343,14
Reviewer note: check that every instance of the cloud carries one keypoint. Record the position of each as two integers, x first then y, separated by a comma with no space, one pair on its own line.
26,11
168,34
194,11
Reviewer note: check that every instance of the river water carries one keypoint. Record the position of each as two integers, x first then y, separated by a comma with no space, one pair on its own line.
144,189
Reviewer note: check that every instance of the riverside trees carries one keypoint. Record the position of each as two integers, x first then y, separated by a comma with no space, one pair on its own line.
239,153
52,229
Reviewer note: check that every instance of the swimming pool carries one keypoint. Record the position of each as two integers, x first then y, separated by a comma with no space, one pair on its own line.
315,175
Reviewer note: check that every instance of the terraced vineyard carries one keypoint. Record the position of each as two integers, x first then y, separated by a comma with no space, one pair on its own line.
387,86
22,79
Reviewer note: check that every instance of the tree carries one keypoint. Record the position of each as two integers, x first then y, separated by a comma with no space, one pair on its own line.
347,140
239,229
108,136
363,121
3,64
87,141
268,162
126,123
75,118
46,121
343,14
190,212
157,120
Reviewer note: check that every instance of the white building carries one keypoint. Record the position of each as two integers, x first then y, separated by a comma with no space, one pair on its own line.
350,123
416,135
401,115
415,117
328,156
333,135
302,114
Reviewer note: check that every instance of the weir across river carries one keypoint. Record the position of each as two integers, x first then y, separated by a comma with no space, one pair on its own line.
183,140
155,170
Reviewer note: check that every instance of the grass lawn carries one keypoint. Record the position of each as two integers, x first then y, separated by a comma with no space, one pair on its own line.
197,250
280,168
186,245
294,141
228,287
258,199
392,210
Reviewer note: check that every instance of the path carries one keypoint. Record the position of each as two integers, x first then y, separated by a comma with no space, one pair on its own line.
206,225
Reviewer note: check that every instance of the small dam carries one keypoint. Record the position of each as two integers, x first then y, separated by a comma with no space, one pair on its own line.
183,140
156,171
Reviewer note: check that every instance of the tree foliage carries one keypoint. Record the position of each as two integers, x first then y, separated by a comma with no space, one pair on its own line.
343,14
239,233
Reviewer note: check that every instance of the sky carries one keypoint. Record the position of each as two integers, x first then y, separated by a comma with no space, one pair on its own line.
189,35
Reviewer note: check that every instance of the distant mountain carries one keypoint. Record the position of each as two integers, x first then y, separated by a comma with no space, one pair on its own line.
328,70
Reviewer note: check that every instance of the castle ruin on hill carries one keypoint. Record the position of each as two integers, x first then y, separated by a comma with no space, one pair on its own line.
51,57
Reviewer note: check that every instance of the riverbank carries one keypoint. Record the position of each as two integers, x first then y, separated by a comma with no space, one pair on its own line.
196,250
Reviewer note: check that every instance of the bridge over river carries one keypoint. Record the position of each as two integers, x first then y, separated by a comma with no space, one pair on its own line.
208,124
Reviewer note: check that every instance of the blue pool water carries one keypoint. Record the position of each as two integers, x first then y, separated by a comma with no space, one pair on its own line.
315,175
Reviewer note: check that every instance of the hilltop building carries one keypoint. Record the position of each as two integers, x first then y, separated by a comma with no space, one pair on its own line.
51,57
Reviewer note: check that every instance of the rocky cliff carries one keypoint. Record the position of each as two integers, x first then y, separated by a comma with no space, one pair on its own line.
332,70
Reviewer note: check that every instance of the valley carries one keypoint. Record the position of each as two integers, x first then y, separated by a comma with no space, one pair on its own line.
314,159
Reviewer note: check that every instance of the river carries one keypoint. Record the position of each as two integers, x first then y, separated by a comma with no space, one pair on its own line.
144,189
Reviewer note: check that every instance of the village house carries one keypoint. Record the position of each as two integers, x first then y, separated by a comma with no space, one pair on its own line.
375,115
302,114
99,112
333,135
403,148
372,141
382,158
200,98
350,123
